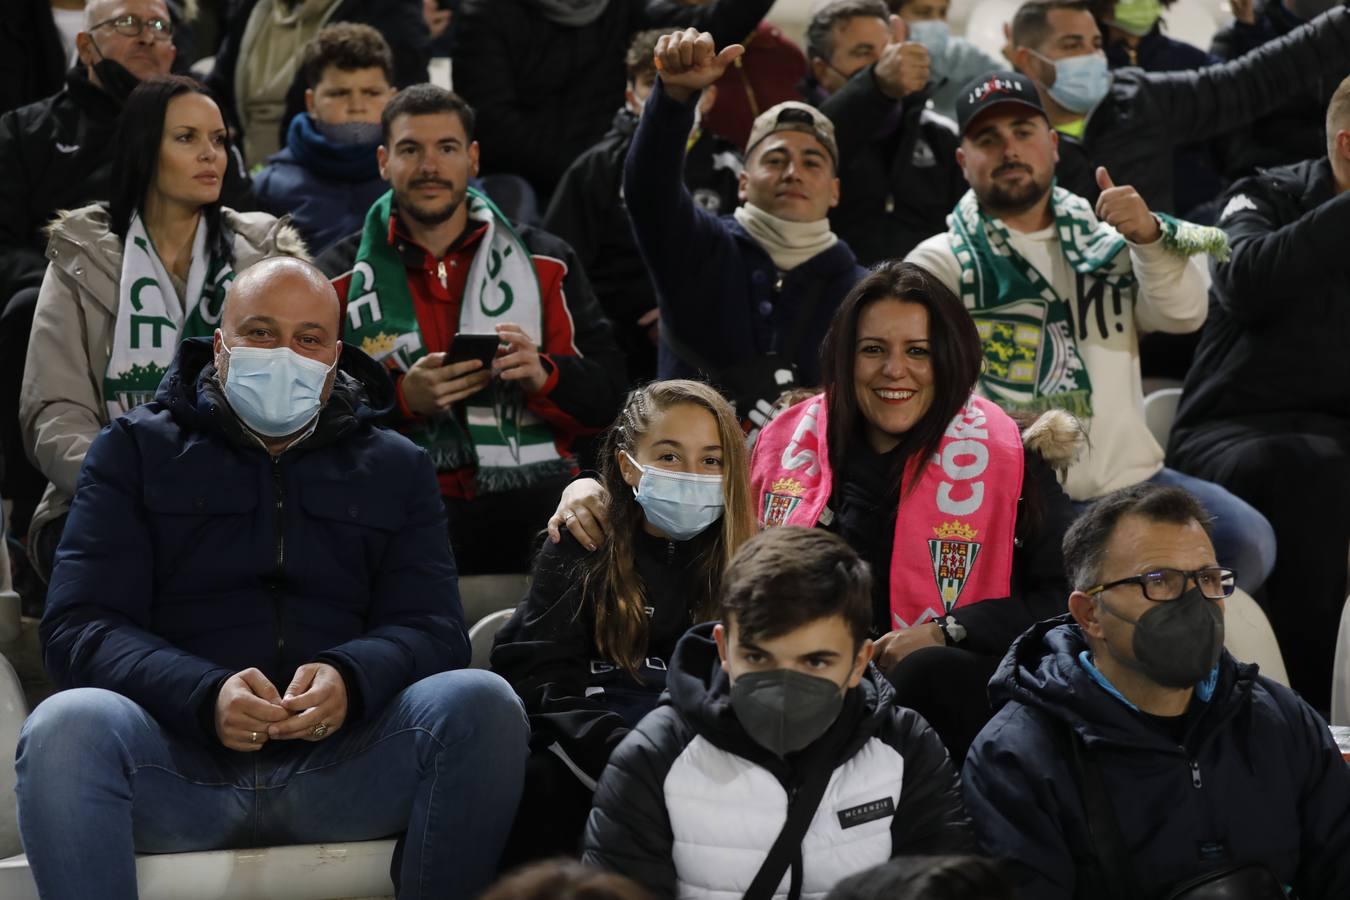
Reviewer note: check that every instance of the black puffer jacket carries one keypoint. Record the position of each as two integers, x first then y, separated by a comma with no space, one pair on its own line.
898,175
580,702
1256,779
1147,113
690,804
545,92
1283,296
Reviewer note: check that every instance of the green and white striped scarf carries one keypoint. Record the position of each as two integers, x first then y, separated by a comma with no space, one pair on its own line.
151,320
1031,355
511,446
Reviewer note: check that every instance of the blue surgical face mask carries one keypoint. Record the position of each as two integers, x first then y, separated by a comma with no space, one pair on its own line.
933,34
679,504
274,392
1080,81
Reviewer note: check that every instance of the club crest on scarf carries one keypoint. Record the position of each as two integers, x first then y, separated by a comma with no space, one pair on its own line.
954,552
781,500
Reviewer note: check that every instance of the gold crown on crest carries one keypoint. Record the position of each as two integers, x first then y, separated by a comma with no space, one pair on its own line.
787,486
955,529
379,345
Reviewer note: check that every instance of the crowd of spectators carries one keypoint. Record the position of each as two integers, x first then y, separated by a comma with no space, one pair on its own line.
807,383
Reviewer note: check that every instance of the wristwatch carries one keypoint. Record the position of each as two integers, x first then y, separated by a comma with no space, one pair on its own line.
953,632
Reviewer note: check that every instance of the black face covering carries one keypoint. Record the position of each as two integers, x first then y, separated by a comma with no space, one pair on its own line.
1177,643
116,78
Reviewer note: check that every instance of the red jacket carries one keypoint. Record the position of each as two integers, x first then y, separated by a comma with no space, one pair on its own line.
765,76
584,366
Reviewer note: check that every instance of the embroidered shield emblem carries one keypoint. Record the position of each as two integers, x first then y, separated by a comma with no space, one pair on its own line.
954,552
782,498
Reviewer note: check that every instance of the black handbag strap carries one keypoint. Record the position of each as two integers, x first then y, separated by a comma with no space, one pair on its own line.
787,847
1108,845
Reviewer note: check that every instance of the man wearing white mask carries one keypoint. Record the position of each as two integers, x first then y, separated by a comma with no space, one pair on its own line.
253,618
1126,118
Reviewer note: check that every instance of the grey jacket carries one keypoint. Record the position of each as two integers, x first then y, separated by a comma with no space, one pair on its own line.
61,406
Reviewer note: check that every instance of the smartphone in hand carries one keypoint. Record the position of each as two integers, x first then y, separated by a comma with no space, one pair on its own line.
482,347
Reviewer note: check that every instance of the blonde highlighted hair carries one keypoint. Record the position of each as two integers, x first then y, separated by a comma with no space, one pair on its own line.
611,580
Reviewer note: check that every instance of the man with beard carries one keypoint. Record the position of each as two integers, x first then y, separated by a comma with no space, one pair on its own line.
1060,291
436,265
56,154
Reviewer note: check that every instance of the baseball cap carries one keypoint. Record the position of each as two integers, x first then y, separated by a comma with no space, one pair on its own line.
793,115
995,89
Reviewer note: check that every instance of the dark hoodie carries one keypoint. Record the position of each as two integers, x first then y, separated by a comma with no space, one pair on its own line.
191,554
691,747
1256,779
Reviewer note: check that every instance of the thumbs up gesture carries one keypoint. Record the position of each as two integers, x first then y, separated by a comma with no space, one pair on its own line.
903,66
1124,210
687,62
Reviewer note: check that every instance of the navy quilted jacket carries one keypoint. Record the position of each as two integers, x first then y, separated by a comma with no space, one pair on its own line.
191,554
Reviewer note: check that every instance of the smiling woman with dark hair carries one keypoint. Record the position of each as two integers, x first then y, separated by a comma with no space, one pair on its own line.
129,280
955,508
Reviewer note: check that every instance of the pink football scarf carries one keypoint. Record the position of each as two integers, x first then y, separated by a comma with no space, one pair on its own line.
954,532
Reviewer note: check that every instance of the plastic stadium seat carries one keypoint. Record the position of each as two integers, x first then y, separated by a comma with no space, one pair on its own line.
302,872
481,635
1340,672
1248,636
1160,410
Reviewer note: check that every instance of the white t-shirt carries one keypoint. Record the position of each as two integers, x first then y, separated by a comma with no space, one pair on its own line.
1172,296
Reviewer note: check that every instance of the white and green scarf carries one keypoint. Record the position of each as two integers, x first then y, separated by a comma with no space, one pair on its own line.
511,446
1031,355
151,318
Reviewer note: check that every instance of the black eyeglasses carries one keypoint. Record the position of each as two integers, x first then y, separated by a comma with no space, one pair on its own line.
132,26
1161,585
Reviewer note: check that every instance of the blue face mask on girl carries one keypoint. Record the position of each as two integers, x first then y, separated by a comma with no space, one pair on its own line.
275,392
679,504
1080,81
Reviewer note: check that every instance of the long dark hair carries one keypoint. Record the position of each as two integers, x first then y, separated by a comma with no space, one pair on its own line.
953,346
140,134
611,582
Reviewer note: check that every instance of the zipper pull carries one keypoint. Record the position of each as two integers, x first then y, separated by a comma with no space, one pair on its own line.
1195,774
440,273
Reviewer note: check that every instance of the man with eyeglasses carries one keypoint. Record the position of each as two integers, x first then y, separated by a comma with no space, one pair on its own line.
1130,754
57,154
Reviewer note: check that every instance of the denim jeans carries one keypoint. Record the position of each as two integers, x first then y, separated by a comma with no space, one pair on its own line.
443,765
1243,539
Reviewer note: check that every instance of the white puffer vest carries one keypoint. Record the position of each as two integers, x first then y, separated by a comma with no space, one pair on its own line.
726,812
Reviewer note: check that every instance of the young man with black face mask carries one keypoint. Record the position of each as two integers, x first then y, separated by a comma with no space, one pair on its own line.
1130,754
780,764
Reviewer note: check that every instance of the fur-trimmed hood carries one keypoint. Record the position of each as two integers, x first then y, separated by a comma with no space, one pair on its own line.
1056,435
85,235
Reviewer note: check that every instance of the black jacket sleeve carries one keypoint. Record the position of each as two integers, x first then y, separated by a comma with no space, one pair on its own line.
1200,104
728,21
855,109
21,263
575,212
544,651
629,830
1016,786
1324,858
590,382
1040,589
1273,264
931,816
